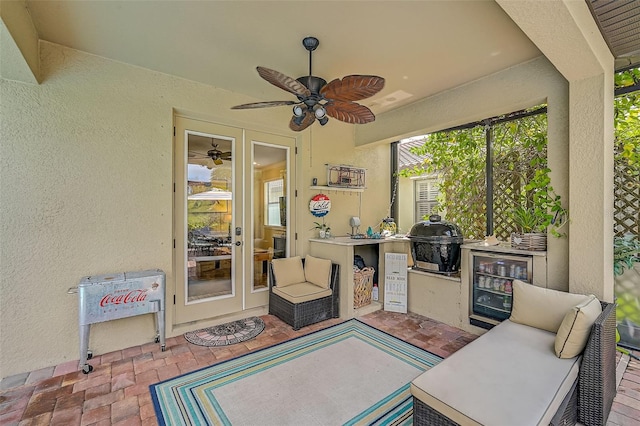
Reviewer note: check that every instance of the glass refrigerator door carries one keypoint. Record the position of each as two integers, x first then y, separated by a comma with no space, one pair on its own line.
493,283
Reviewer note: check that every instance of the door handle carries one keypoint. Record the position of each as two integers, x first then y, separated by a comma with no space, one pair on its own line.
238,243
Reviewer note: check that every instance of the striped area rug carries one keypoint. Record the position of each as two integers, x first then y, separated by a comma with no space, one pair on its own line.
349,374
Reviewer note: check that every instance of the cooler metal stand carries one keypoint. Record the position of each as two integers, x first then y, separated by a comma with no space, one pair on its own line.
121,295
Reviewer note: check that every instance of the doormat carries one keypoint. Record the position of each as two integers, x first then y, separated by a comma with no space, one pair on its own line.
226,334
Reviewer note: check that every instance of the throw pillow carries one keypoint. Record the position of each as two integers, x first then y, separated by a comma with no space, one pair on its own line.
288,271
541,308
575,328
317,271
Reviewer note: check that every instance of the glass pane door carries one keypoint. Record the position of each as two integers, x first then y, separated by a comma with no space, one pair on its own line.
270,184
271,159
209,217
208,205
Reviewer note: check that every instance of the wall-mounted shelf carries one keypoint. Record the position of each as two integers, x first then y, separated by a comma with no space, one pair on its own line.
336,188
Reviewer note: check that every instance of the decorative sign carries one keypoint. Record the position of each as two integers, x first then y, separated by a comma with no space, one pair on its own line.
345,176
320,205
395,282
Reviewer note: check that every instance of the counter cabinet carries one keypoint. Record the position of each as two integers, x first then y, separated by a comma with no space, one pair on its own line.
341,250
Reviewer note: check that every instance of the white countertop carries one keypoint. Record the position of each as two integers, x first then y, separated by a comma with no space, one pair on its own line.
348,241
502,248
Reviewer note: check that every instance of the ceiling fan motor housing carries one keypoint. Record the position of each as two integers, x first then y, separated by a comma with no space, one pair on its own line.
313,83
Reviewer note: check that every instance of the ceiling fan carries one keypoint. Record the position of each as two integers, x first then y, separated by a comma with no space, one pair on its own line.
317,98
214,154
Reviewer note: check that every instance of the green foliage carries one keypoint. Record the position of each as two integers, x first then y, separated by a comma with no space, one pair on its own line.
457,157
627,78
321,226
627,148
627,120
540,209
626,252
523,195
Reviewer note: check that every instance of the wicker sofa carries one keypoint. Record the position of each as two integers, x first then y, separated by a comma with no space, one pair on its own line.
511,375
297,308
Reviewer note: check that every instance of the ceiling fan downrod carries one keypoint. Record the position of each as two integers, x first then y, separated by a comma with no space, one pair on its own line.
311,44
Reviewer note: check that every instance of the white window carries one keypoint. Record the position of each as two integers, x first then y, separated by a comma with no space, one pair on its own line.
273,192
426,197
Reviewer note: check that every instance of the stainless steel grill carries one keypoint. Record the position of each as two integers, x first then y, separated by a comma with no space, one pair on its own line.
108,297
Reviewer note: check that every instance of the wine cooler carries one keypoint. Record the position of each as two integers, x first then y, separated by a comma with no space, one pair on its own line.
492,285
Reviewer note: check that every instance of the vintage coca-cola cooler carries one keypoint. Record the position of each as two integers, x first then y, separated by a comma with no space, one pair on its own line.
108,297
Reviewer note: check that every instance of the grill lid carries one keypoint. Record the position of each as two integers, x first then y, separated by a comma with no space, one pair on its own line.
435,229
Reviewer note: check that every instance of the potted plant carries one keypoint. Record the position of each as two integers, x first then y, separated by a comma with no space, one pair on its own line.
626,269
540,212
324,231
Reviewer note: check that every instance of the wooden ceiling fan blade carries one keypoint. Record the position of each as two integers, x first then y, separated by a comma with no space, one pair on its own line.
307,121
349,112
264,104
353,87
284,82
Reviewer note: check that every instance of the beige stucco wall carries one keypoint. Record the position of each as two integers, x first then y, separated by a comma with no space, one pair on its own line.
576,78
520,87
566,33
85,189
406,198
86,174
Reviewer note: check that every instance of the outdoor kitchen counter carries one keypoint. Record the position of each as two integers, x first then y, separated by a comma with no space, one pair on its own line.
348,241
341,250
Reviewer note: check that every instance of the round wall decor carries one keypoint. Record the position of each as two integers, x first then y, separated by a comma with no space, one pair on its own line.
320,205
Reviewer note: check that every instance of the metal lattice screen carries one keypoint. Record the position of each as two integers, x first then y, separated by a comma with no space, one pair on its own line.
627,197
469,212
519,149
512,169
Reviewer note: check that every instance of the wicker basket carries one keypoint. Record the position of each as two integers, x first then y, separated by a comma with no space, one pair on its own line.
362,286
534,241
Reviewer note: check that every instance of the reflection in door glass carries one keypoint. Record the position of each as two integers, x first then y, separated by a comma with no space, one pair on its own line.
269,207
209,218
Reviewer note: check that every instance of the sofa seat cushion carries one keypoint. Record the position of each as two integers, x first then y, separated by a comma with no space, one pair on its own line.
509,376
301,292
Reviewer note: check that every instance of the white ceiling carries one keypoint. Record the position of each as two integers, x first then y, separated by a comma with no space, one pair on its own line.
419,47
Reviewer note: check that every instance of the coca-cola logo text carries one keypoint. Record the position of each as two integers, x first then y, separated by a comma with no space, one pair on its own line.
124,297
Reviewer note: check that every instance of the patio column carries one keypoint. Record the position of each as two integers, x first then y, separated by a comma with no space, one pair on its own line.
18,43
567,35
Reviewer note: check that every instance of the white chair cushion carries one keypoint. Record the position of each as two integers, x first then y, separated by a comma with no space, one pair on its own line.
542,308
509,376
317,271
288,271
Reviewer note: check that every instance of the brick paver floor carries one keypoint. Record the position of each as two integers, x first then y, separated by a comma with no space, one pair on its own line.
117,393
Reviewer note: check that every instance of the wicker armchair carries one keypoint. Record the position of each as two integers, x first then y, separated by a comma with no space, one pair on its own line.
302,314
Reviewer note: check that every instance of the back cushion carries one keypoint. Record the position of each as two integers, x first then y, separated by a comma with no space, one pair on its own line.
576,327
317,271
288,271
542,307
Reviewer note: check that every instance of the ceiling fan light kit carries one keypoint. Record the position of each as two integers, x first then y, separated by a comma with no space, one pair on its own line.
318,99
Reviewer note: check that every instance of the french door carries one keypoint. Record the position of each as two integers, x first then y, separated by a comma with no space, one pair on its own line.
223,237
